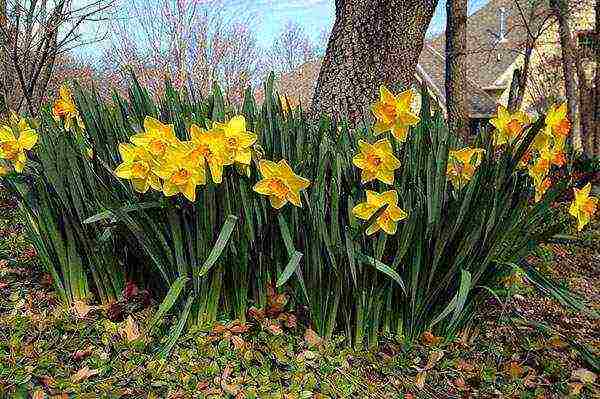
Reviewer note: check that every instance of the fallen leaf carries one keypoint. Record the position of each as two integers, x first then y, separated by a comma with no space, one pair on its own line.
130,331
312,338
239,328
238,342
81,308
575,388
556,343
83,374
82,354
460,384
274,327
429,339
583,375
514,370
420,379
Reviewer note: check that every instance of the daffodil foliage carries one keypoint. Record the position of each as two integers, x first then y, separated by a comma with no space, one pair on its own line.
391,228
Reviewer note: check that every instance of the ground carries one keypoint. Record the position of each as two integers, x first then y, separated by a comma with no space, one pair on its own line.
49,351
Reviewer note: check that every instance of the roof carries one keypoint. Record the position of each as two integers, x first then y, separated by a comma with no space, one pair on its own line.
432,70
488,60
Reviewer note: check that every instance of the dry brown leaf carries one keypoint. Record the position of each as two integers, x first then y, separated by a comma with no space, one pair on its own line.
274,327
312,338
130,331
429,339
82,354
81,308
575,388
83,374
514,370
420,379
239,328
238,342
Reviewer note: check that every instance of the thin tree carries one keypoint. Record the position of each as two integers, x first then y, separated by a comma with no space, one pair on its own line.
456,73
33,34
291,48
372,42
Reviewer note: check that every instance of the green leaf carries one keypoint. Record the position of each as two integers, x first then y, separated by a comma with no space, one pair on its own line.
168,302
382,267
289,269
219,246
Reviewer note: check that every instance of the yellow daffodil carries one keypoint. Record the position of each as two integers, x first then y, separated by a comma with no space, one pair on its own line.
508,126
12,148
238,141
462,165
376,161
541,187
156,138
389,219
64,108
394,113
557,123
138,167
280,183
181,174
209,147
583,206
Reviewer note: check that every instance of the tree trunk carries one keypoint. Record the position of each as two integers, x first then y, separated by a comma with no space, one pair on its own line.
3,58
596,122
456,73
372,43
569,59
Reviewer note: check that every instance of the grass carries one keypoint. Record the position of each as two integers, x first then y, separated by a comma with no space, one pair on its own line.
43,347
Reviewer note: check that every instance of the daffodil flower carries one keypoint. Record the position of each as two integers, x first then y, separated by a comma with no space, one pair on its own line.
394,113
180,174
508,126
462,165
209,147
138,167
280,183
238,141
65,108
12,148
389,219
583,206
557,123
376,161
156,138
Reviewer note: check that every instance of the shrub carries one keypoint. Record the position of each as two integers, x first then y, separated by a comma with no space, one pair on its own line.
407,243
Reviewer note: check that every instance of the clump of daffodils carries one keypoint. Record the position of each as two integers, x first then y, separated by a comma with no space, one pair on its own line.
15,139
157,159
547,148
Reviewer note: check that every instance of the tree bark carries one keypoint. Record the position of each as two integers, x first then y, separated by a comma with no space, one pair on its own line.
596,132
456,73
569,60
372,43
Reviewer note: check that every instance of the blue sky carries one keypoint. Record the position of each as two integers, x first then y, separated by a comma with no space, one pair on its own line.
269,17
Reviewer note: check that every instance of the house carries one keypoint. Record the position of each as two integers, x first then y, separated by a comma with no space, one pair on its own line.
496,40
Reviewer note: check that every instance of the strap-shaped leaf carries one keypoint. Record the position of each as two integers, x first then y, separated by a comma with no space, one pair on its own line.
289,269
110,214
169,301
219,246
382,267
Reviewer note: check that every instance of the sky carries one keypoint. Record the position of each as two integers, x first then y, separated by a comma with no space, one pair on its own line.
269,17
